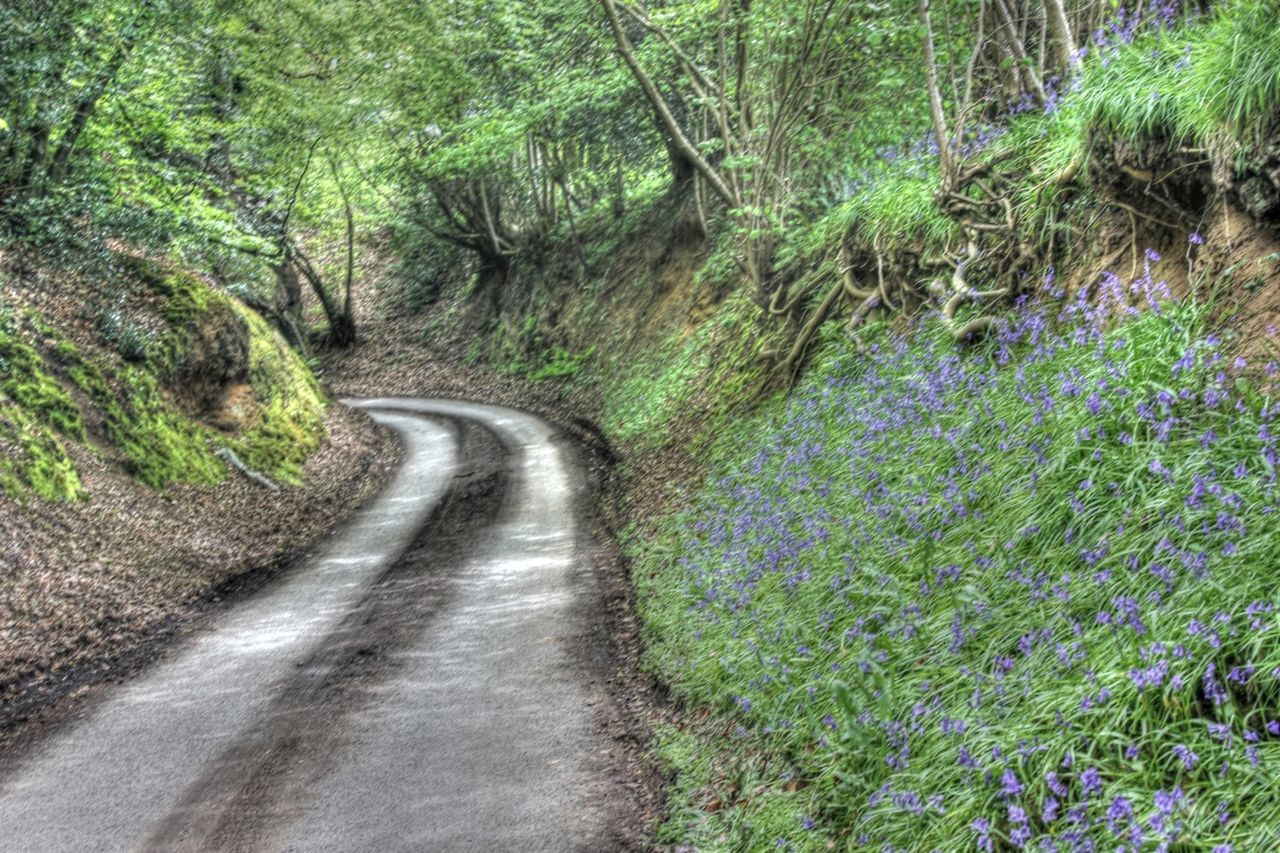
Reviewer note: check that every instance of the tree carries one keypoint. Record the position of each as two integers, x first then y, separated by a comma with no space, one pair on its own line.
759,77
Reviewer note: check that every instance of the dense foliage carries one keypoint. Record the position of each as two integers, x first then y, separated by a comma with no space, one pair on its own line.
263,140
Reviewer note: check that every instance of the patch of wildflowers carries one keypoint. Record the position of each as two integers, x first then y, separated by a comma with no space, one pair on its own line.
1056,550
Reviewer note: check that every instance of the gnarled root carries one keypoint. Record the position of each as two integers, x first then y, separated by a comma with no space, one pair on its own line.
963,293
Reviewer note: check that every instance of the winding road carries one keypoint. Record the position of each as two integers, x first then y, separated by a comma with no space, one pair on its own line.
415,685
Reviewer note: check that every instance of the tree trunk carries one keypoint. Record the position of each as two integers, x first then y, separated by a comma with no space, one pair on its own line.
935,100
86,106
342,322
342,327
682,168
666,120
1019,52
1064,44
286,308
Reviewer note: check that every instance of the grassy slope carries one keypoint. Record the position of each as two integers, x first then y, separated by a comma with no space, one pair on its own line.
939,601
935,593
1210,85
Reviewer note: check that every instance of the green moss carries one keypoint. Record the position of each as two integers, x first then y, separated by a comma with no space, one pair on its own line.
189,304
163,446
160,445
291,427
28,384
36,412
39,465
186,297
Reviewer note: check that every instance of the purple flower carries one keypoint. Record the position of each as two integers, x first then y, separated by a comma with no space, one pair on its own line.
1011,786
1091,782
982,826
1119,815
1213,690
1167,801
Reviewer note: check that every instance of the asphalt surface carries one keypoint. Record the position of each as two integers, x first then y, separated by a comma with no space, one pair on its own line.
411,687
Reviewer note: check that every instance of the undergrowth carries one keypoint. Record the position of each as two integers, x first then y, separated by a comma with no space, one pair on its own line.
644,396
1026,597
1200,83
527,352
1210,83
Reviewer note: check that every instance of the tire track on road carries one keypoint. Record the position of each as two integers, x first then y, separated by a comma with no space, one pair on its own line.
261,782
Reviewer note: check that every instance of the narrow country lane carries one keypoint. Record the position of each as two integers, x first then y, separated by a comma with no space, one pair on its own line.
411,687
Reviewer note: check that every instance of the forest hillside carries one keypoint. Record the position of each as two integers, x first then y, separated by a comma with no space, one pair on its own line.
930,346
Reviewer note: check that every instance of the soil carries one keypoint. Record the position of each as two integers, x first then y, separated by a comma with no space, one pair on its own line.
1245,277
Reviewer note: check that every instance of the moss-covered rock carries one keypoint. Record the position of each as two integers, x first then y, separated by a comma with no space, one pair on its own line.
205,345
160,443
291,421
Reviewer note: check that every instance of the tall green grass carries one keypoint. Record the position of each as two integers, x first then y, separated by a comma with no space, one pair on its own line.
1212,82
1201,83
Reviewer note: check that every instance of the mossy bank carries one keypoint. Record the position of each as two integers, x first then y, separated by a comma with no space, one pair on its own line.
159,387
123,519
